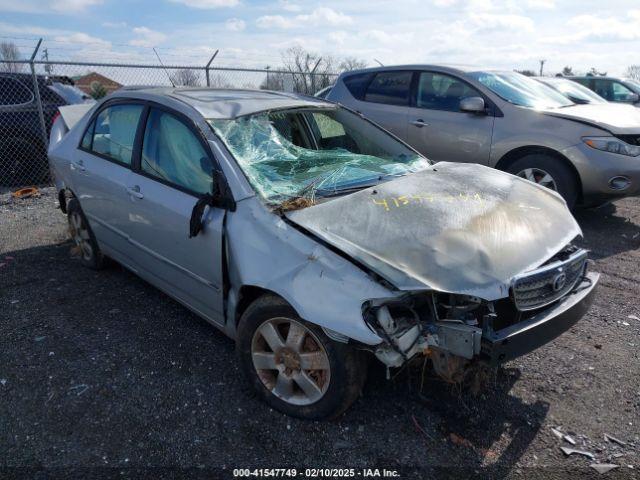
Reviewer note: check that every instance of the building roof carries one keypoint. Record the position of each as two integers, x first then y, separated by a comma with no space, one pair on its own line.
96,77
230,103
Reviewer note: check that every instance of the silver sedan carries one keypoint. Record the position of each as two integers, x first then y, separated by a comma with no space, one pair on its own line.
316,239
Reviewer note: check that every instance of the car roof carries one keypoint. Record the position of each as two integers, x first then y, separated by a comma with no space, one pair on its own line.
595,77
216,103
451,68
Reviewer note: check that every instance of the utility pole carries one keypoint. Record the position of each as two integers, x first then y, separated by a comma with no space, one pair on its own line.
542,66
45,56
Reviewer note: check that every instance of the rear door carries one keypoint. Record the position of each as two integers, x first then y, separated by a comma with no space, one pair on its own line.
99,172
173,171
437,127
383,97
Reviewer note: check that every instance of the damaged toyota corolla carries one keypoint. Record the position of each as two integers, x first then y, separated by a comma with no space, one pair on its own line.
316,239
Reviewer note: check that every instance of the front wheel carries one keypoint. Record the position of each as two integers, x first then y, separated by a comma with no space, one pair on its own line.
293,365
550,172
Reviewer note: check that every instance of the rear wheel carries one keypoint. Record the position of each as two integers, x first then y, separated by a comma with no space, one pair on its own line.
82,235
293,365
548,171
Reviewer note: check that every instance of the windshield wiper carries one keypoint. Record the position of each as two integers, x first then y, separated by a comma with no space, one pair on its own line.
315,182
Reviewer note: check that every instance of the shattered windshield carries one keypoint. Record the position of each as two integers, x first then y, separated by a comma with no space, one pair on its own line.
308,153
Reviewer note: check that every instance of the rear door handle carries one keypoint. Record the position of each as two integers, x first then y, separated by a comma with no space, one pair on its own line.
419,123
135,191
79,165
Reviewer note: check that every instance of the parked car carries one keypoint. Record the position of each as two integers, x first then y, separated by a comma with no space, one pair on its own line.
619,90
23,153
574,91
298,228
504,120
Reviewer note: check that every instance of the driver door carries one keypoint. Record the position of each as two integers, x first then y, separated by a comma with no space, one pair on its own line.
174,170
437,127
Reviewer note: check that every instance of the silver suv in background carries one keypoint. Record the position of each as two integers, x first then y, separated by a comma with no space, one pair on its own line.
504,120
618,90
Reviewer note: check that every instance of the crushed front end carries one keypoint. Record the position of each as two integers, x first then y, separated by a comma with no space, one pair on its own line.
455,330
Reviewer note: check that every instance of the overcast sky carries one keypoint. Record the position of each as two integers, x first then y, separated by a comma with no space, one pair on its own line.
498,33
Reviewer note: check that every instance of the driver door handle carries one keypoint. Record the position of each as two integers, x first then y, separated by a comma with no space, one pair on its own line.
419,123
79,165
135,191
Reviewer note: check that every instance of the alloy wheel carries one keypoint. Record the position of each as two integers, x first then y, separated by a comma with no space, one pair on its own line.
539,176
80,236
290,361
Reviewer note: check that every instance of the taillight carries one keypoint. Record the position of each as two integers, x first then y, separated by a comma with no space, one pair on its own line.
55,117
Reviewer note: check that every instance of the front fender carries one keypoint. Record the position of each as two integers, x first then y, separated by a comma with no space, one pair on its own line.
323,287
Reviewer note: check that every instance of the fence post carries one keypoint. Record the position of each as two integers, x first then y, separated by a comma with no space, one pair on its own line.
206,69
36,90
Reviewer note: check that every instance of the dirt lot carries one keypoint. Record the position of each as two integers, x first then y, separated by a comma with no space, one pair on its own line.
102,373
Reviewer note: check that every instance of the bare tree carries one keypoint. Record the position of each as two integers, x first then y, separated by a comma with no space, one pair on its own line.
217,81
310,71
273,81
186,77
633,71
594,72
567,71
9,53
307,72
351,63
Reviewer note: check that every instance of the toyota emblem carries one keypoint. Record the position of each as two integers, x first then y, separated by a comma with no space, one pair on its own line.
559,281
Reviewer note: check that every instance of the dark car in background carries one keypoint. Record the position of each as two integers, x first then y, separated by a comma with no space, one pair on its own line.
619,90
23,157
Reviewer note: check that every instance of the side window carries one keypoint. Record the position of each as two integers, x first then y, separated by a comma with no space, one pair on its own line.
604,88
391,88
14,92
620,92
357,84
115,131
171,152
437,91
88,136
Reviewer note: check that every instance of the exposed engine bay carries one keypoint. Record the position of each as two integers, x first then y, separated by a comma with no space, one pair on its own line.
455,330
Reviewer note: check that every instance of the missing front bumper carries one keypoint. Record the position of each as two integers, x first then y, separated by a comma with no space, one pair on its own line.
523,337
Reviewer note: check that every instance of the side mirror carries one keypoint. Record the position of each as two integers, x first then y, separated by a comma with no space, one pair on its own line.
220,193
633,98
220,197
472,105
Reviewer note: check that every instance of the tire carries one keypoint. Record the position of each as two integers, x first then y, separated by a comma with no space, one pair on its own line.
339,384
562,176
82,235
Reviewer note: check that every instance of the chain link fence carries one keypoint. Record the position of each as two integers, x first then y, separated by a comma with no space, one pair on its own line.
32,90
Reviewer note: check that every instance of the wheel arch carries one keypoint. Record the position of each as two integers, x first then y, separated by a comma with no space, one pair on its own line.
64,195
247,294
517,153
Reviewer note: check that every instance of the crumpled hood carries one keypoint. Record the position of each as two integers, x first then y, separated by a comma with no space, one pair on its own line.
459,228
615,118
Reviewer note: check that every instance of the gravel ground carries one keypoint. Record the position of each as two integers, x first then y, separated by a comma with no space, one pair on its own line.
102,373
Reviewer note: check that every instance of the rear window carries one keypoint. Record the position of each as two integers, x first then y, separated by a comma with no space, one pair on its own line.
391,88
114,132
357,84
14,92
